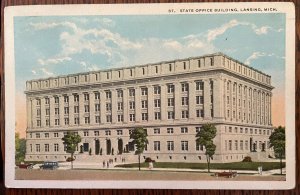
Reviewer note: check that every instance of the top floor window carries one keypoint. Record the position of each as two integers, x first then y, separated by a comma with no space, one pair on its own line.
86,97
76,98
184,87
97,96
108,94
170,88
131,92
199,85
170,67
38,102
156,89
144,91
56,100
211,61
47,101
156,69
120,93
66,99
184,65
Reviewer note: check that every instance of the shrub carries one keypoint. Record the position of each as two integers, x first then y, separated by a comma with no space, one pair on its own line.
247,159
148,159
69,159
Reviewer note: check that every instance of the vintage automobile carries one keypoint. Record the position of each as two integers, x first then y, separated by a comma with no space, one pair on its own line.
49,165
229,174
25,166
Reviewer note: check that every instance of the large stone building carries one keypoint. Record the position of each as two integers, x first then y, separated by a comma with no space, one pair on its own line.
171,99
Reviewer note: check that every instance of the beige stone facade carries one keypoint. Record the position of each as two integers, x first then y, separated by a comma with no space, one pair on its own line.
170,99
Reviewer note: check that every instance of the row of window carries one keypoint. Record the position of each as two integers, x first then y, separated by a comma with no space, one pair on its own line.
245,145
247,130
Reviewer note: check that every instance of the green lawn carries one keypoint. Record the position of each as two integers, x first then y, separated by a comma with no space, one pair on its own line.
226,166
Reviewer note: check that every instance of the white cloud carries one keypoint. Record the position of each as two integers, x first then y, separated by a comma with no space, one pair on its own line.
172,44
46,72
254,56
213,33
53,60
93,67
105,22
33,72
261,30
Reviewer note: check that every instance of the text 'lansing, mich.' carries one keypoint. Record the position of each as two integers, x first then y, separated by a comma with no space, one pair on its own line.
228,10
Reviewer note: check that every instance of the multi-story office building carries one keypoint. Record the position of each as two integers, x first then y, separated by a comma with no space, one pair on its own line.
171,99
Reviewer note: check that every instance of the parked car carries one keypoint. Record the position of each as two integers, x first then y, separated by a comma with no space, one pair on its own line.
25,166
229,174
49,165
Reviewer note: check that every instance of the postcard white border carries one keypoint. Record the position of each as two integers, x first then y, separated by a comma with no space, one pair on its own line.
144,9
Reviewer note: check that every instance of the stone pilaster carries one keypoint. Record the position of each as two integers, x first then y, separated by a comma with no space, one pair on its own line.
137,98
29,112
125,105
114,106
163,102
207,102
52,111
61,106
192,100
177,96
81,108
150,103
71,109
92,108
102,107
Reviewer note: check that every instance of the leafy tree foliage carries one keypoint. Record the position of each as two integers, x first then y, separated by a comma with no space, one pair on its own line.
205,138
71,140
20,146
277,142
139,136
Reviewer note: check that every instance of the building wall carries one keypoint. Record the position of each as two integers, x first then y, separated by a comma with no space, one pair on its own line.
178,94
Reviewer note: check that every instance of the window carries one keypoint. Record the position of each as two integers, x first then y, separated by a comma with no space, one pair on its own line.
211,61
199,99
246,145
236,145
119,73
96,133
199,85
66,110
47,122
156,89
119,132
56,149
144,116
170,145
38,102
97,119
66,99
120,106
156,145
171,115
85,133
230,144
108,94
38,112
47,101
170,67
144,91
37,147
66,121
76,121
46,147
120,118
131,72
143,70
170,101
87,120
86,108
56,100
184,145
198,129
107,75
97,107
144,104
108,107
131,105
157,115
241,130
56,111
185,114
184,87
56,122
156,69
131,92
97,96
55,134
38,123
131,117
170,130
38,135
184,130
184,65
184,101
200,147
156,131
170,88
230,129
120,93
107,132
108,118
76,109
241,145
76,98
157,103
200,113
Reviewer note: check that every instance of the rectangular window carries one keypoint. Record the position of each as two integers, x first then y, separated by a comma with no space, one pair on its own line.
156,89
170,101
66,121
198,129
199,147
66,99
55,134
86,108
241,145
86,96
200,113
76,98
56,122
46,147
144,104
107,132
108,118
246,145
230,144
131,105
120,93
185,114
47,122
156,131
200,99
38,102
144,91
97,96
56,149
76,109
38,112
66,110
108,107
184,101
56,100
131,117
47,101
38,135
119,132
184,130
97,107
156,145
108,94
131,92
157,103
171,115
184,145
157,115
37,147
56,111
87,120
85,133
96,133
184,87
170,88
76,121
38,123
199,85
170,130
144,116
46,135
170,145
120,118
236,145
97,119
120,106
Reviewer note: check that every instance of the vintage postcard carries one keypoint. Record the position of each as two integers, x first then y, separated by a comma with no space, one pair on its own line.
179,96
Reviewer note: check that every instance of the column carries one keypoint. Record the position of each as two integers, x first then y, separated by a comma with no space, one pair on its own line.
163,102
114,104
92,107
103,144
102,107
81,108
177,96
71,109
43,112
52,111
137,98
207,102
270,109
61,106
151,102
29,113
218,98
125,105
114,144
33,112
192,100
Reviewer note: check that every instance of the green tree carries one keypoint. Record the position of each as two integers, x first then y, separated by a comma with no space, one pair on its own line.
71,140
205,138
20,146
277,142
139,136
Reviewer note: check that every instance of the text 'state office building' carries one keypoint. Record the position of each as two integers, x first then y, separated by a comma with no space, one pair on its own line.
171,99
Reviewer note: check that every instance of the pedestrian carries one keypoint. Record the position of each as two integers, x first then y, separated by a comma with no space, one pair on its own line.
103,163
107,164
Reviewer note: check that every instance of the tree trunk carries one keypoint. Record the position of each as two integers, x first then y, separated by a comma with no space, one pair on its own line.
280,163
208,163
139,162
71,160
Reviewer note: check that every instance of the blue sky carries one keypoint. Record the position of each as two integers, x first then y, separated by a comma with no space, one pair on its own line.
51,46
